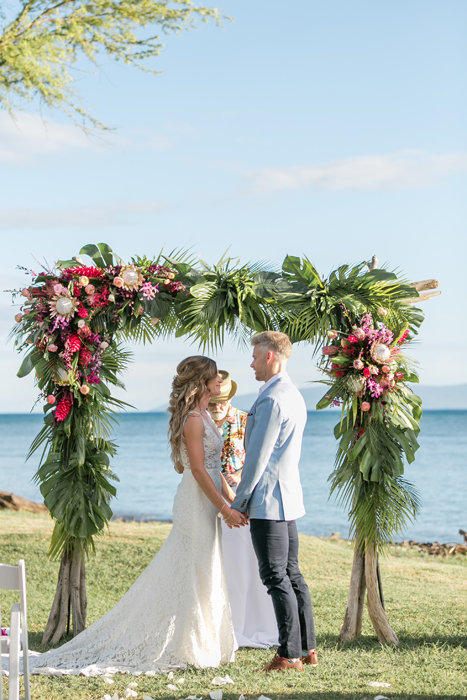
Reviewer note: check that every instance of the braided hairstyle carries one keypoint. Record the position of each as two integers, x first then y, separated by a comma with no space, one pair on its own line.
188,385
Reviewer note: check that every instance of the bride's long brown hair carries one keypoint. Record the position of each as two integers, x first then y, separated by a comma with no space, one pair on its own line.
188,385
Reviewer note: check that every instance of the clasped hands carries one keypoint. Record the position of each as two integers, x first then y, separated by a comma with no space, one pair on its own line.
233,518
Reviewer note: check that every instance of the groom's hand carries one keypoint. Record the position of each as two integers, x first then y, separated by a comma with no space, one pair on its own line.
235,518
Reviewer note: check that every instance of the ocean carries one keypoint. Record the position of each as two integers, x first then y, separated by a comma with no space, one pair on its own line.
148,481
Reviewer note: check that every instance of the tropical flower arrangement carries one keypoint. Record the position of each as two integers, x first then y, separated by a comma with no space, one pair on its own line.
366,364
367,374
70,316
70,326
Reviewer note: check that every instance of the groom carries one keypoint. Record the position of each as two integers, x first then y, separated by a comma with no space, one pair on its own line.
270,493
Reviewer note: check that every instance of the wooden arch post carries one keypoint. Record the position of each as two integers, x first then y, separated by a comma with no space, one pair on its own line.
365,575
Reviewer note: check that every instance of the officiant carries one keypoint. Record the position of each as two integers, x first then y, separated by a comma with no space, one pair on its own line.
252,611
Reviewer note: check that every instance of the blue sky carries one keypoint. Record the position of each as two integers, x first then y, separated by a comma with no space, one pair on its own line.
334,130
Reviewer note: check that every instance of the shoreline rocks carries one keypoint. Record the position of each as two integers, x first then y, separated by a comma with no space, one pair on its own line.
11,501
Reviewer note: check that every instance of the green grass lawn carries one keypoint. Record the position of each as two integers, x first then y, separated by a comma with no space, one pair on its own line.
425,599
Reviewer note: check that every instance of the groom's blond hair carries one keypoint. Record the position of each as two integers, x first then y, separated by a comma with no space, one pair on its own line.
279,343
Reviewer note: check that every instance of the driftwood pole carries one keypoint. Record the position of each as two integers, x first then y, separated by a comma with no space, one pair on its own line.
365,574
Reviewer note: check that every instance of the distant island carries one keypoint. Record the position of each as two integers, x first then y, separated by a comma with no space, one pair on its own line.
434,398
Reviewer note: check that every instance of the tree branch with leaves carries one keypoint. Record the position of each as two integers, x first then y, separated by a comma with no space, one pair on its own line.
45,44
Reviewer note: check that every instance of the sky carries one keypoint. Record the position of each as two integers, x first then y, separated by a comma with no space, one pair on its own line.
332,130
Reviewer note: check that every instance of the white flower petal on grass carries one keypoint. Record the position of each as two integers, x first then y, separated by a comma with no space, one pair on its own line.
133,685
192,697
108,680
147,697
263,697
381,697
216,694
171,686
170,675
241,697
378,684
218,680
129,693
180,681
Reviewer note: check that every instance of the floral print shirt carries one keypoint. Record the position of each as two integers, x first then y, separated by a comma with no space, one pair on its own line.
233,433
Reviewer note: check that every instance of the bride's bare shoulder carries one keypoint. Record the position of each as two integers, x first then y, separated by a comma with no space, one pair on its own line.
194,424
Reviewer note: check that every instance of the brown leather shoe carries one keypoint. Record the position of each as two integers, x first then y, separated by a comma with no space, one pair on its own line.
311,659
279,663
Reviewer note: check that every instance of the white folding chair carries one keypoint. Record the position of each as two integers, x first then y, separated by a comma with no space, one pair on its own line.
13,578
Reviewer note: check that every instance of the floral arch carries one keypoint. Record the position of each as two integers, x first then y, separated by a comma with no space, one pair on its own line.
72,327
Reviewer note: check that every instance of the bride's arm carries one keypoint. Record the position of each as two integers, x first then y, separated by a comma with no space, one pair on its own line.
193,433
227,492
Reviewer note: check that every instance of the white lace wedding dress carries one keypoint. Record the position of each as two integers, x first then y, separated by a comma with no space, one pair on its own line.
177,613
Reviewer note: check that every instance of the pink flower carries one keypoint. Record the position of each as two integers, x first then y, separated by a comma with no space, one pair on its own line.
352,339
386,369
330,350
89,289
358,364
359,333
344,343
365,406
18,317
84,389
50,399
52,347
382,312
83,281
332,334
26,293
118,282
367,372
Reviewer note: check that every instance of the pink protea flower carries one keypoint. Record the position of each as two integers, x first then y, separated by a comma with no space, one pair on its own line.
330,350
358,364
52,347
359,333
366,405
26,293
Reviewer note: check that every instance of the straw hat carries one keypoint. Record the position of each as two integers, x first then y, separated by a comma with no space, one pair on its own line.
228,388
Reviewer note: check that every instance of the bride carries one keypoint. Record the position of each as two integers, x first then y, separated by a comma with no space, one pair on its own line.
177,613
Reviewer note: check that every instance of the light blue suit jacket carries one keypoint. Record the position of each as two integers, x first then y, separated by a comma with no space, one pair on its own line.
270,487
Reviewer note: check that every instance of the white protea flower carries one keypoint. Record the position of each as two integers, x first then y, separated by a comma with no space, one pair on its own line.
380,352
355,384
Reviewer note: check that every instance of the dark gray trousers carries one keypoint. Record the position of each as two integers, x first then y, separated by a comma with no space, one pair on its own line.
276,545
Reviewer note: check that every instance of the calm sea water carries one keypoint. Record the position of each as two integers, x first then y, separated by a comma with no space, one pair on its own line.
148,480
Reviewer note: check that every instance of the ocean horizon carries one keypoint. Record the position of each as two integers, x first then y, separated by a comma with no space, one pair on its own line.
148,481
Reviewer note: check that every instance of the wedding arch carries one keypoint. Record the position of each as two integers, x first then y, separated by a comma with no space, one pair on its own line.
72,327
